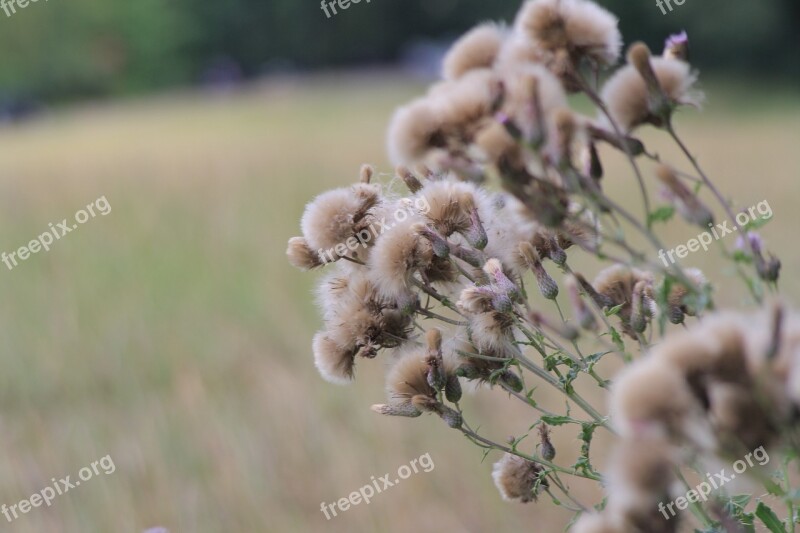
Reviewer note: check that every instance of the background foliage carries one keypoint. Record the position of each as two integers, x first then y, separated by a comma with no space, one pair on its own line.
60,49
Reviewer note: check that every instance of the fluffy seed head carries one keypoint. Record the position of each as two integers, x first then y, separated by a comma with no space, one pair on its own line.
414,129
652,400
580,28
336,215
516,478
334,363
477,48
399,253
627,97
301,255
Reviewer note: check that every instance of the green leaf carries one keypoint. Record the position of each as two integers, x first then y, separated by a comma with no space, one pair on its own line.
614,310
740,256
662,214
770,519
617,339
555,420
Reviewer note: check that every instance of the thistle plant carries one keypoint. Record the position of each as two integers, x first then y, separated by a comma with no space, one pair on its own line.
500,184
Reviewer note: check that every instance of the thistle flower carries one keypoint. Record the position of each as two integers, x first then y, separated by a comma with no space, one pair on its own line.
338,215
409,383
499,147
491,335
532,96
464,101
546,447
358,322
408,178
568,31
366,173
677,47
454,208
640,312
547,285
499,281
590,161
518,479
476,300
476,49
652,400
679,299
301,255
629,100
439,128
399,253
616,285
685,201
334,363
640,478
414,130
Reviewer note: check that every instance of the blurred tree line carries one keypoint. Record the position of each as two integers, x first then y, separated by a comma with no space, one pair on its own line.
66,49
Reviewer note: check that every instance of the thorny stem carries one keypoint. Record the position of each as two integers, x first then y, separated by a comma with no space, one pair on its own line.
558,483
550,380
557,501
717,194
431,314
572,395
430,291
595,98
697,509
483,442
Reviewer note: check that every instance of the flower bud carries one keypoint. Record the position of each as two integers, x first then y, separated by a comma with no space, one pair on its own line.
452,389
677,47
639,57
547,285
367,171
440,245
686,202
476,234
547,450
768,270
590,159
451,417
499,280
583,315
409,179
511,380
638,311
436,377
301,256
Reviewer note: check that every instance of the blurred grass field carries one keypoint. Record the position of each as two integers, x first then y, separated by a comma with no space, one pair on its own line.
173,335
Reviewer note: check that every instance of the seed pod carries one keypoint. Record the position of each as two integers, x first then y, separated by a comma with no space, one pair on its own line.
452,389
547,449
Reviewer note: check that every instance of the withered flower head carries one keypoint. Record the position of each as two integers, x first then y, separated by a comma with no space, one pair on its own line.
518,479
629,100
476,49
